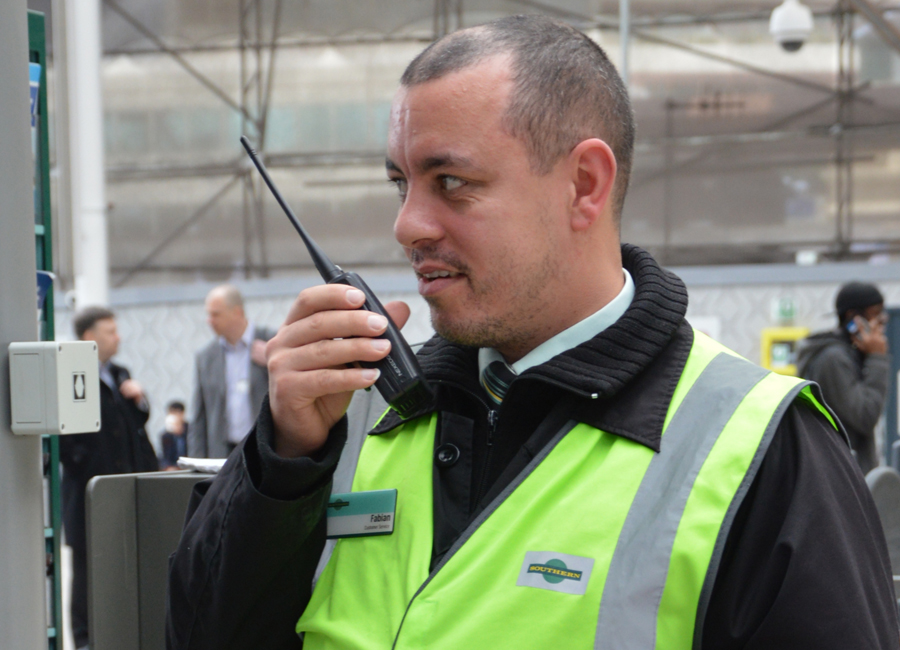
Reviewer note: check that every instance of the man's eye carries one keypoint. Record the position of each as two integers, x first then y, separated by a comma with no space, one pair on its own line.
401,186
450,183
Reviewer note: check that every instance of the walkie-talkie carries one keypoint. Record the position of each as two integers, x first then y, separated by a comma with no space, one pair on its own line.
402,383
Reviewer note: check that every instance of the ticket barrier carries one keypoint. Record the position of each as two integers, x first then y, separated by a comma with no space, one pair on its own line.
134,522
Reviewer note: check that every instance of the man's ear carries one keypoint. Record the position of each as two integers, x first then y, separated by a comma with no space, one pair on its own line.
593,167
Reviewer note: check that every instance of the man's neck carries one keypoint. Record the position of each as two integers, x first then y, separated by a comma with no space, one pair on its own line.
580,308
576,333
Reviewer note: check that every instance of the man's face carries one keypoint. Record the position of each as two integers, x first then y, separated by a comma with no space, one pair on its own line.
876,314
175,421
484,233
105,334
221,317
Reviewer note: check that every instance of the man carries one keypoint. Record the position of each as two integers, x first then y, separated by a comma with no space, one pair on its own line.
851,365
538,502
120,447
231,377
174,436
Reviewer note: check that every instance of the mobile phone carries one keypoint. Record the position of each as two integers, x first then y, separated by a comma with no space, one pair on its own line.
402,382
853,327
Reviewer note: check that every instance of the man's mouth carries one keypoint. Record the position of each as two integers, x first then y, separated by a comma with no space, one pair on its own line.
434,275
434,282
436,271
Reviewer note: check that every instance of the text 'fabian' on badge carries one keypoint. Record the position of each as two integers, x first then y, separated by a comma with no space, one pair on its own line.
361,514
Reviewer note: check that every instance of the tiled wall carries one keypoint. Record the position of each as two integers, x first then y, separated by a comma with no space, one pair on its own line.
160,338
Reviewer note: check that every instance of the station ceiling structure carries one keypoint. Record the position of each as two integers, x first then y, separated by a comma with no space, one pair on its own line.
745,153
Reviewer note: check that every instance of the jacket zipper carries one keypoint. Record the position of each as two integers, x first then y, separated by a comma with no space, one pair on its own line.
493,417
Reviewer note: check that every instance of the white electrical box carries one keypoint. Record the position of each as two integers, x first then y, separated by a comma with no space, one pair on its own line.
54,387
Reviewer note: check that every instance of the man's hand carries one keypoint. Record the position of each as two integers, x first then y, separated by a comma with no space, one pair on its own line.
870,338
258,352
130,389
310,383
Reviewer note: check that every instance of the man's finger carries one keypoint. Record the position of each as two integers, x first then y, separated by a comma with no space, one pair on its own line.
328,354
324,297
317,383
326,325
399,312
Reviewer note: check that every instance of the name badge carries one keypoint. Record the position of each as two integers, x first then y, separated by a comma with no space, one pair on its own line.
361,514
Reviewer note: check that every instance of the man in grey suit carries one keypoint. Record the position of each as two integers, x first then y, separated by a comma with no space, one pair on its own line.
231,380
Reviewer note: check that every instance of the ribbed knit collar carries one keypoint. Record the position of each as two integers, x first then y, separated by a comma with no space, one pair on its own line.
601,367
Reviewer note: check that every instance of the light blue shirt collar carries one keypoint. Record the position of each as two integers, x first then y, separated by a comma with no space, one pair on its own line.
569,338
107,376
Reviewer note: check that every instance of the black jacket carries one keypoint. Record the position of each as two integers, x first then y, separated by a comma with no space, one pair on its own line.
121,446
806,542
854,384
173,447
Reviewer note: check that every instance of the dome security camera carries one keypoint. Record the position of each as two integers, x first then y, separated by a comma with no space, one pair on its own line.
791,24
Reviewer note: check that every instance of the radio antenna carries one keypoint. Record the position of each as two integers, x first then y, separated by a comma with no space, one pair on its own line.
327,269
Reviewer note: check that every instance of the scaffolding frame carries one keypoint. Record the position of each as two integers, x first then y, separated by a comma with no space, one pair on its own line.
259,42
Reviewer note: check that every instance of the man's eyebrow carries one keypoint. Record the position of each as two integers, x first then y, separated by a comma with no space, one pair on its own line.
435,162
391,166
446,160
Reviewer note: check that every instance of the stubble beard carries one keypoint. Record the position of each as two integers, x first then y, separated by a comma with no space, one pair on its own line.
476,326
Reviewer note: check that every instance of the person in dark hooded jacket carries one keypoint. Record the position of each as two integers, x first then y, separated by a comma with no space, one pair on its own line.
851,365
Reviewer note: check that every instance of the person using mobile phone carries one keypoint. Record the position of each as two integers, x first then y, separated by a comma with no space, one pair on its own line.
851,365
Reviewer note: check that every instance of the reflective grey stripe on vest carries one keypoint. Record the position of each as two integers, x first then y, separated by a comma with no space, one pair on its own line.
640,563
738,499
365,409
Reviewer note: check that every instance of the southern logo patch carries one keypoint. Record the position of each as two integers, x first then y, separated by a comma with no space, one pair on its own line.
568,574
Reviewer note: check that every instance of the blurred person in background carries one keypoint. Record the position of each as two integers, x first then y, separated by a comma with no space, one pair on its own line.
231,379
851,364
120,447
174,437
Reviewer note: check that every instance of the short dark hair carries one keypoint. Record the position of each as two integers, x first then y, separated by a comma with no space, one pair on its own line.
175,405
854,297
88,317
565,88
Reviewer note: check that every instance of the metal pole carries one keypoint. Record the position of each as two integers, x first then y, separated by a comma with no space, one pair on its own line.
625,40
843,159
63,251
668,198
258,195
22,561
86,162
250,119
848,124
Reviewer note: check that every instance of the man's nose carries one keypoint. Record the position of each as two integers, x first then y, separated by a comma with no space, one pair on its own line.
418,221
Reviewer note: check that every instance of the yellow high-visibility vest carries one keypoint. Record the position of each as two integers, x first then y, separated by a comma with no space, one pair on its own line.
599,543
